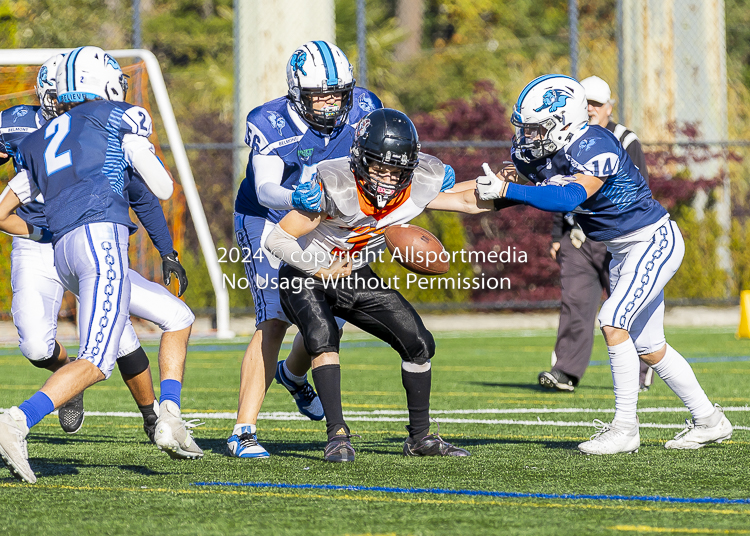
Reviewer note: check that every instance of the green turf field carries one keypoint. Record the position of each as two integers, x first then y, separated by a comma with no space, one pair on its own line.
108,479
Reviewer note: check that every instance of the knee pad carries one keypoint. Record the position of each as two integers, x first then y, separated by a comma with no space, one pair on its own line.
422,349
37,352
134,363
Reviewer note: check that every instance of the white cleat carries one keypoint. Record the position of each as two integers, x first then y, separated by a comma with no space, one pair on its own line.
612,438
697,436
173,435
13,450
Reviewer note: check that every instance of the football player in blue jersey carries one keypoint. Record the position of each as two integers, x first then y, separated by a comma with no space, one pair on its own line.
77,162
288,137
36,286
581,168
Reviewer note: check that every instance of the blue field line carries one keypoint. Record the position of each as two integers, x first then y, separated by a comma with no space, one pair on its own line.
717,359
482,493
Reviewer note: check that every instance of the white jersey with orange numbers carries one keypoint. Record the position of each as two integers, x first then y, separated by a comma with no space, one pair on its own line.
352,224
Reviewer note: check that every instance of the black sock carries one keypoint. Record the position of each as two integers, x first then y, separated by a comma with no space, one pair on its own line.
417,385
147,410
327,380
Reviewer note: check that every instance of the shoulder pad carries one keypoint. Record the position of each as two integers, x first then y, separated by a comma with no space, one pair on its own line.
339,187
428,179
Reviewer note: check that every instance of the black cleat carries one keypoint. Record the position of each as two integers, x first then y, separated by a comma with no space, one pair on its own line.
71,414
339,448
432,445
556,379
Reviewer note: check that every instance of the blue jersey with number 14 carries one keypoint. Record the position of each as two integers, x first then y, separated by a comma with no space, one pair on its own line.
622,205
77,162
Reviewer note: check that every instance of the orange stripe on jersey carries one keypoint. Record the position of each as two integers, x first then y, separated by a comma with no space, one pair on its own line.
379,213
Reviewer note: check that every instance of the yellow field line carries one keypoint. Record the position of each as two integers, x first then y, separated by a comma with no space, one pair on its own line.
386,499
645,528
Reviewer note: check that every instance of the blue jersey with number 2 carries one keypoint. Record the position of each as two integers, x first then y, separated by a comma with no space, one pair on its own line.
77,162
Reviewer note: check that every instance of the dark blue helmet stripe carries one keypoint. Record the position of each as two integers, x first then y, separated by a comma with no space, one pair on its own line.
70,65
330,65
535,82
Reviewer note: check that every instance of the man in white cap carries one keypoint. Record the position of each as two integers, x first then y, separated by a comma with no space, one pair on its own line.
584,264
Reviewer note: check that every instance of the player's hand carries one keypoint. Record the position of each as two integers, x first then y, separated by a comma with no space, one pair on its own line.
489,186
553,249
307,196
577,236
171,265
338,268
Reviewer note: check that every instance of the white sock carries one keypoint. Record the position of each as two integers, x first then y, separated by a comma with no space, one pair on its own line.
679,376
299,380
238,428
623,358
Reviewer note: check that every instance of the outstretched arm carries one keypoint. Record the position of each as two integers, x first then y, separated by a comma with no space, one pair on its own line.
466,201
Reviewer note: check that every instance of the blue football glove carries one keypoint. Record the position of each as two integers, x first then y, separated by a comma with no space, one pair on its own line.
307,196
449,180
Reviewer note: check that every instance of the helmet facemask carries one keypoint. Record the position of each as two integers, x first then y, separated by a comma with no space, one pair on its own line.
377,191
532,140
330,117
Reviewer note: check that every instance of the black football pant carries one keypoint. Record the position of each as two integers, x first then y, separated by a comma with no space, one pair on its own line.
584,273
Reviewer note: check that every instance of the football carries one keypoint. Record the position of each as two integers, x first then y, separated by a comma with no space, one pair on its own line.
417,249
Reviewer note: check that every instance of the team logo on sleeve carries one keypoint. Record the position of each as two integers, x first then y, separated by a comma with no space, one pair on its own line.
276,121
585,145
553,99
365,102
298,62
19,113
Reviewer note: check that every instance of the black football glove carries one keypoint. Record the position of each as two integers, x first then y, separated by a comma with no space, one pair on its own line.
171,265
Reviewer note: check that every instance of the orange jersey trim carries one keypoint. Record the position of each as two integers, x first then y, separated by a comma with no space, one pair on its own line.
379,213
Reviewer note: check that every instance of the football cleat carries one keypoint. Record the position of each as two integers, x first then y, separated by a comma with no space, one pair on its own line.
432,445
556,379
71,414
173,435
612,438
149,423
13,449
245,444
339,449
304,395
697,436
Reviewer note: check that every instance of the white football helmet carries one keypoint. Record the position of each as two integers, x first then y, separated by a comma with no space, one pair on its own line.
89,73
320,68
550,110
45,88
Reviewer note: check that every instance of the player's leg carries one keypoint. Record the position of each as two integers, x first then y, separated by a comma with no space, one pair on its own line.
386,314
260,362
581,293
135,370
37,296
311,313
92,263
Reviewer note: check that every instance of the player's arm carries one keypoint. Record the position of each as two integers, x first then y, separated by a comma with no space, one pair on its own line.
268,171
466,201
282,242
148,209
10,222
139,154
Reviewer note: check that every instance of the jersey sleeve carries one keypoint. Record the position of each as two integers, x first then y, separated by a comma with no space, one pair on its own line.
136,120
267,129
596,156
24,187
148,209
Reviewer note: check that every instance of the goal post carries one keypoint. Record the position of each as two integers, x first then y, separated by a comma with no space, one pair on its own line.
37,56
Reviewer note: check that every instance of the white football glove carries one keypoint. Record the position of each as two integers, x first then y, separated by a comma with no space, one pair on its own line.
577,236
489,186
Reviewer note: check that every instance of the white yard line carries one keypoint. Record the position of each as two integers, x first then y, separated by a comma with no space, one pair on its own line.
401,416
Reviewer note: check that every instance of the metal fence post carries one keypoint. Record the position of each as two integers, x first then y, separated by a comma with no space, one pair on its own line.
573,23
362,43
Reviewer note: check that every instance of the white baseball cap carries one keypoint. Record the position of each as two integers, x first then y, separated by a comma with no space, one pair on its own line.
597,90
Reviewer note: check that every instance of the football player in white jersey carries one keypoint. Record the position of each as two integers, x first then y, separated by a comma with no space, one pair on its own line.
37,290
386,181
288,136
80,171
584,169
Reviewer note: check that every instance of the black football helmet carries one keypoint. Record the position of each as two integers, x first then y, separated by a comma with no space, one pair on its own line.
387,137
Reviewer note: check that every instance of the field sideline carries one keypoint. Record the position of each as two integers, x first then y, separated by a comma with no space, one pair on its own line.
525,475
